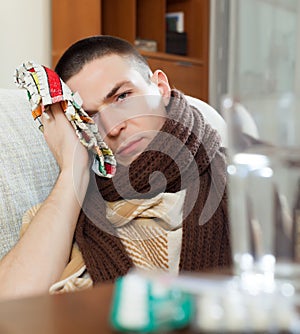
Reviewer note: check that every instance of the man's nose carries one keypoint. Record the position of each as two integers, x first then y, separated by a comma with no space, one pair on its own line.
112,122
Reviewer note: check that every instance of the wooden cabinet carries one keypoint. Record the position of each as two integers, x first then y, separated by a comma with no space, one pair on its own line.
73,20
185,74
143,19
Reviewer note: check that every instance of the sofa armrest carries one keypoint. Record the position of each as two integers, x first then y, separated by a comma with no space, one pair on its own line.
28,169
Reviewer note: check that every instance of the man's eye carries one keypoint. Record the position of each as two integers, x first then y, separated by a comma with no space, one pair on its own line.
122,96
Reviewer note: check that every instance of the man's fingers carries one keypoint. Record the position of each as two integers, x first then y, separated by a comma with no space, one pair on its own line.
56,108
52,111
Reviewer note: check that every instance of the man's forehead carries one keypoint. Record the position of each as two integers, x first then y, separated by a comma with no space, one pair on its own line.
109,68
112,60
113,68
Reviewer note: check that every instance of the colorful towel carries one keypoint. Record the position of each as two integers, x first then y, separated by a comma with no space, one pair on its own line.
44,87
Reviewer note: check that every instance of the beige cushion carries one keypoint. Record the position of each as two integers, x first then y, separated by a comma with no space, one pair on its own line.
211,115
28,170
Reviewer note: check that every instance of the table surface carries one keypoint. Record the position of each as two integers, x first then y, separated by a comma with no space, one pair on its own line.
81,312
76,312
84,312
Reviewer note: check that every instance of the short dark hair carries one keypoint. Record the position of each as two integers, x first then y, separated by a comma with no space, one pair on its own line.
94,47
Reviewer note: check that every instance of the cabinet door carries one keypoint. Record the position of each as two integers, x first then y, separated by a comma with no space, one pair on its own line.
190,78
71,21
119,19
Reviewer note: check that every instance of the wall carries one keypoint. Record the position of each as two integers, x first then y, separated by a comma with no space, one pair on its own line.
263,46
264,62
255,47
25,35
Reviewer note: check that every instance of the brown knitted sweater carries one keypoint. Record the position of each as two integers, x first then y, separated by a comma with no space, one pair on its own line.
185,154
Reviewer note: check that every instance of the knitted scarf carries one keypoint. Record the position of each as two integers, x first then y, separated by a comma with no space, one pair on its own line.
185,154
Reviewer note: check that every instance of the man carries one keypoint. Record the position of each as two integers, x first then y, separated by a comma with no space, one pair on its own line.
166,206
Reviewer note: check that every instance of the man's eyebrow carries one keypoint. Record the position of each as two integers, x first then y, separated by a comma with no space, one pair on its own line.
115,89
112,92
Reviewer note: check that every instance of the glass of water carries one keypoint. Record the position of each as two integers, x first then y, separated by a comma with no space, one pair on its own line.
262,111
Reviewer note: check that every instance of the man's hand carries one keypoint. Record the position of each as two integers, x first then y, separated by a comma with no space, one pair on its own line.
62,140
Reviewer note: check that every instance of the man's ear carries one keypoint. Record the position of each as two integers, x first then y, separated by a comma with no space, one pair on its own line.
162,82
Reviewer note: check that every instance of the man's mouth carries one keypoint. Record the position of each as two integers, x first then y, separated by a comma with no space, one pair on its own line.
129,148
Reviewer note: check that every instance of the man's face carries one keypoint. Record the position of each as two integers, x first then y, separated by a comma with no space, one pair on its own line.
128,110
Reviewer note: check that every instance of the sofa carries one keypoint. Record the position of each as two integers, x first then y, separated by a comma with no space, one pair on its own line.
28,169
